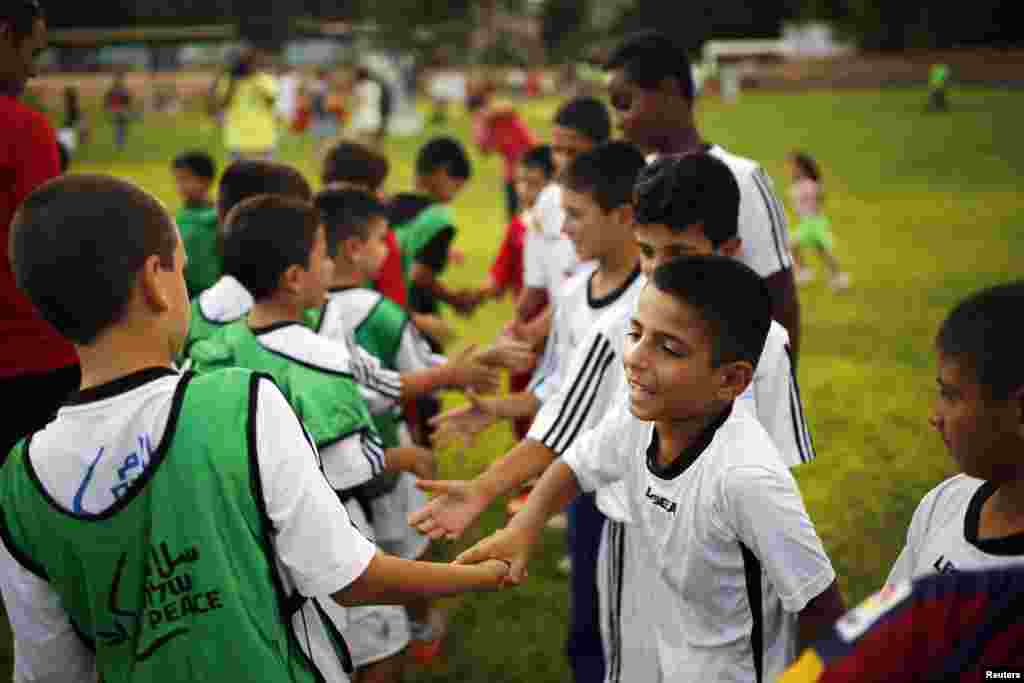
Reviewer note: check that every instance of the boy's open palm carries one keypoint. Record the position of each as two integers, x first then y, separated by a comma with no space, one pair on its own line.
512,544
454,508
511,354
462,424
471,373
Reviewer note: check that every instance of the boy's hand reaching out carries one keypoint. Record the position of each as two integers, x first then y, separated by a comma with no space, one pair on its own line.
513,544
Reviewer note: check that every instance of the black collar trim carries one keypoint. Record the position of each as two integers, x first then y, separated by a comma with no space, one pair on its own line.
267,329
121,385
612,296
1012,545
689,454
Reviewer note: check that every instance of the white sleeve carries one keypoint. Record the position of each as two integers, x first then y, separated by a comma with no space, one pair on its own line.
414,351
382,388
354,460
589,376
46,647
762,225
534,273
314,539
767,515
905,568
549,213
597,456
776,396
547,377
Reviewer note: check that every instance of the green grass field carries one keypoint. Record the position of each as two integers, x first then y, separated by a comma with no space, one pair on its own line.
926,208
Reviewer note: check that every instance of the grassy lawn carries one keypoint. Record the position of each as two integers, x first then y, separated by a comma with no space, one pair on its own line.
926,209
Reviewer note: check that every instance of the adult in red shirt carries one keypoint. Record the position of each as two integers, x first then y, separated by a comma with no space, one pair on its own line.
38,367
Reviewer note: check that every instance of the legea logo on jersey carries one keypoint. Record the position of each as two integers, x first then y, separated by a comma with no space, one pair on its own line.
662,502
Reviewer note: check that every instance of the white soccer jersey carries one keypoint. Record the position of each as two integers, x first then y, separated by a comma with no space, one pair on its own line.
548,256
943,534
576,310
103,441
226,301
727,532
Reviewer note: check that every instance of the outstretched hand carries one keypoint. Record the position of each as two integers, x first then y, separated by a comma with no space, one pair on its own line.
454,508
463,424
472,373
513,544
512,354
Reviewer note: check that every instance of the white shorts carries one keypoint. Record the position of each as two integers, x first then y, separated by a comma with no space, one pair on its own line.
372,632
627,629
391,519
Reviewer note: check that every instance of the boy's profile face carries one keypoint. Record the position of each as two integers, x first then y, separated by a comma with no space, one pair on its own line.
640,113
660,244
191,187
668,361
566,145
591,231
18,55
529,183
982,433
443,186
369,254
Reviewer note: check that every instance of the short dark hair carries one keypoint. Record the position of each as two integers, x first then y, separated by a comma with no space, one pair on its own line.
807,164
607,173
200,164
540,157
21,16
681,190
983,333
350,162
443,152
586,115
649,57
730,298
264,236
346,214
77,244
244,179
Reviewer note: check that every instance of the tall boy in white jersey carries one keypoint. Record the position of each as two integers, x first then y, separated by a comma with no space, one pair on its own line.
719,513
684,206
165,526
975,520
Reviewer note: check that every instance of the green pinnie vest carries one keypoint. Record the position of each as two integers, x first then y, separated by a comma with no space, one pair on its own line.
198,227
176,581
417,233
328,402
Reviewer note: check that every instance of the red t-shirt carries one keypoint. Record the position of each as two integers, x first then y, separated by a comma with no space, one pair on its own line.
391,282
507,271
28,158
507,133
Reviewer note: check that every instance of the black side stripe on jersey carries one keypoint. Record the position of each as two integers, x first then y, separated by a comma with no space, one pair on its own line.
613,576
803,435
773,215
752,573
620,554
593,359
585,400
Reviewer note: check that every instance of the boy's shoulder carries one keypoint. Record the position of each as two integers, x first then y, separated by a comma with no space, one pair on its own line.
741,445
742,167
948,500
301,345
224,302
357,305
407,206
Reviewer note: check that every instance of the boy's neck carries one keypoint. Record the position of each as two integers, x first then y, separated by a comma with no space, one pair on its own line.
684,140
198,203
1006,507
675,437
119,353
615,267
272,311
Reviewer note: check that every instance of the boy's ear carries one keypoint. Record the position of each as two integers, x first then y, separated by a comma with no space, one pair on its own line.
624,214
731,247
291,279
152,286
734,378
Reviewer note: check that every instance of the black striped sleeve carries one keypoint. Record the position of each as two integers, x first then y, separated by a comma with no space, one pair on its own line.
803,434
579,398
373,451
776,216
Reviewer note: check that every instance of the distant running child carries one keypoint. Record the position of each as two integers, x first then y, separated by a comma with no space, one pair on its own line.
813,230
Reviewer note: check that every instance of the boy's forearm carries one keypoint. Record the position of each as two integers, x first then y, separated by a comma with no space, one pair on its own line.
819,615
513,406
390,580
557,488
423,276
526,461
421,382
530,302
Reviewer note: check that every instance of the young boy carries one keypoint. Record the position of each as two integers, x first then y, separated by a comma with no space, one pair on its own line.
719,513
202,530
425,226
227,300
119,104
975,520
197,220
683,206
500,128
548,258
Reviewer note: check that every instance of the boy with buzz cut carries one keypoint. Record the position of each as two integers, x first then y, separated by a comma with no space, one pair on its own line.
227,300
720,515
975,520
197,219
682,206
356,229
166,526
